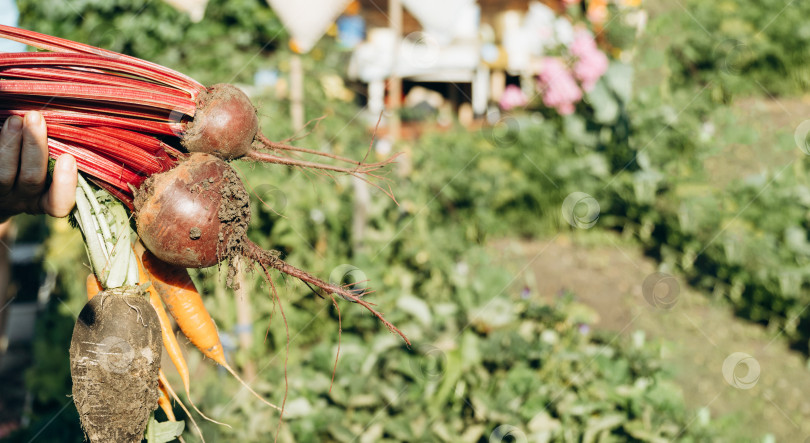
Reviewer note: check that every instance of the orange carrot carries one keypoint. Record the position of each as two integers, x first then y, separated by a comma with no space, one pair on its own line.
164,383
169,340
93,286
178,292
185,304
170,343
165,403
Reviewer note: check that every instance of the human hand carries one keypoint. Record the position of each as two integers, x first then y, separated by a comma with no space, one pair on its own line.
24,169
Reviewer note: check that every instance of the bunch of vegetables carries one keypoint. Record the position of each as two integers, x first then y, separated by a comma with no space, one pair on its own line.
154,142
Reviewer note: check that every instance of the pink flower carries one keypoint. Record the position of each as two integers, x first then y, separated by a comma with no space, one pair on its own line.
560,89
512,97
591,63
583,44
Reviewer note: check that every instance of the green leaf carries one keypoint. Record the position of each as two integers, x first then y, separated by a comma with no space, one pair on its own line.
416,307
576,129
619,78
605,107
162,432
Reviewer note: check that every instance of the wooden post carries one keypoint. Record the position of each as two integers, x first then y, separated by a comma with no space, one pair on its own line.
497,84
362,202
297,92
395,82
480,90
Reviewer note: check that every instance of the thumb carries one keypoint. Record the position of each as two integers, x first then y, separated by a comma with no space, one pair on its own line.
61,196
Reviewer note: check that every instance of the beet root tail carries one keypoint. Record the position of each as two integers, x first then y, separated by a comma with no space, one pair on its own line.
266,258
368,172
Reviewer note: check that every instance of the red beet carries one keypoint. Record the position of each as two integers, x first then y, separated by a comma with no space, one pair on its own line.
225,123
196,215
123,97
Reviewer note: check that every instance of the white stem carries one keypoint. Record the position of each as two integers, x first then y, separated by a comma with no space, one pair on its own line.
121,253
96,226
107,234
133,278
95,248
97,209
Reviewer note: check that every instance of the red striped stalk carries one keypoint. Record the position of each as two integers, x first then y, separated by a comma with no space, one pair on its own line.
104,108
150,144
85,106
56,44
132,156
97,93
83,76
43,59
98,166
145,142
75,118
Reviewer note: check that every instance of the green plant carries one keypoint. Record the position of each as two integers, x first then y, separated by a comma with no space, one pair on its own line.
226,46
740,47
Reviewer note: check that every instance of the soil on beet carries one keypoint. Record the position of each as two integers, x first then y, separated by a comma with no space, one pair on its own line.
114,363
195,215
234,218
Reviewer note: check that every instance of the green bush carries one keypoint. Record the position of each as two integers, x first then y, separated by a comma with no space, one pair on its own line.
226,46
741,46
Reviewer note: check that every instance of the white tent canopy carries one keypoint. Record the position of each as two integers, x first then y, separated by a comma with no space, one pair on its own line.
442,19
307,20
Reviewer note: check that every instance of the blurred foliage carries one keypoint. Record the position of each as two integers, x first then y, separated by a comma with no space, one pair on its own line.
488,354
226,46
490,357
741,46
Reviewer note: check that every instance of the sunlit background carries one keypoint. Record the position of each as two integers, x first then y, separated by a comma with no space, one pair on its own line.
599,234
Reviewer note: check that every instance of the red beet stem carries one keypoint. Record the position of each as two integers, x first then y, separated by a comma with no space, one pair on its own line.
84,106
362,171
279,146
150,144
97,93
97,165
130,155
56,44
83,76
76,118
